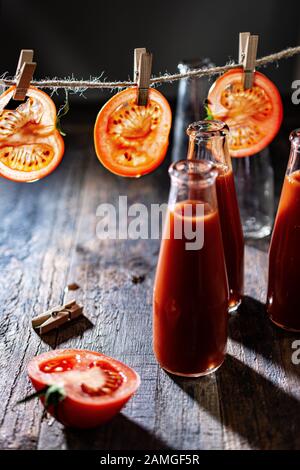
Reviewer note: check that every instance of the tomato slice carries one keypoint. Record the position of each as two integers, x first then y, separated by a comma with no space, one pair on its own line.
95,386
30,145
254,116
132,140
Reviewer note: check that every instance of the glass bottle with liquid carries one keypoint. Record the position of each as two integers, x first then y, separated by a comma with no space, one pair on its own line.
284,255
208,140
190,299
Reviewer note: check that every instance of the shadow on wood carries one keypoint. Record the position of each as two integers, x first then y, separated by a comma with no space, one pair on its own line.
119,434
252,406
252,328
65,332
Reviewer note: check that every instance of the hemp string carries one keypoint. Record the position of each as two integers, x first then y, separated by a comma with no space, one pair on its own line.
95,83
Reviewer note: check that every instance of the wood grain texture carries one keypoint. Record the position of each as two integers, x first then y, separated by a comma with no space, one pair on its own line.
47,241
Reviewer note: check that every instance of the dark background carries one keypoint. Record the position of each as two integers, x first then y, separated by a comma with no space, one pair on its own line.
90,37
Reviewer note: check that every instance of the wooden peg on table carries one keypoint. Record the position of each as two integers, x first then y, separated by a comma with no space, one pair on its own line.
142,73
57,316
247,57
24,74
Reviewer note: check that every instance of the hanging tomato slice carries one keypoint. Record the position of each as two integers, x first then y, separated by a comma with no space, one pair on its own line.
82,388
132,140
254,116
30,145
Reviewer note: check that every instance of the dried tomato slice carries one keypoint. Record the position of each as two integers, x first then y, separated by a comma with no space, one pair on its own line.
254,115
30,145
132,140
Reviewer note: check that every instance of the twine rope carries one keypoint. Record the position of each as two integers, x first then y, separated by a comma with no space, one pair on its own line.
96,83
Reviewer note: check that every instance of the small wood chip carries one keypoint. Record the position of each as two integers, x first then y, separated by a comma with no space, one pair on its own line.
137,279
71,287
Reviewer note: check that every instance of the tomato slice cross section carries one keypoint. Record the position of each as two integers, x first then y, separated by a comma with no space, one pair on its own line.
254,115
95,387
30,145
132,140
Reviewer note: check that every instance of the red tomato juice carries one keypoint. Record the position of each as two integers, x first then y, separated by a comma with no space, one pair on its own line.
232,234
284,258
191,298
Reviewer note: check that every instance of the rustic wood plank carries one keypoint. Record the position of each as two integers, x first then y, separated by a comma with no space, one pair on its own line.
48,240
34,260
255,373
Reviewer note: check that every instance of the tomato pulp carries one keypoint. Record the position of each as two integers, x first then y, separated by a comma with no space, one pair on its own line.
284,258
191,298
94,387
254,115
232,234
30,145
132,140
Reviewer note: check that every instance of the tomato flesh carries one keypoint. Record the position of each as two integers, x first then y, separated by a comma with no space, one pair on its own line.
27,158
13,120
96,386
132,140
58,364
254,115
30,145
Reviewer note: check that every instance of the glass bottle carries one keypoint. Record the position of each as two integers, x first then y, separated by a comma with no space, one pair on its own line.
254,179
284,255
192,93
208,140
190,299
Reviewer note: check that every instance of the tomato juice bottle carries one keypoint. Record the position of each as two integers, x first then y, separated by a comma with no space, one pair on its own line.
284,254
190,300
208,140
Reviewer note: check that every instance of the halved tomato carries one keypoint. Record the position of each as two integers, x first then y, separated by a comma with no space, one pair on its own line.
30,145
132,140
254,116
81,388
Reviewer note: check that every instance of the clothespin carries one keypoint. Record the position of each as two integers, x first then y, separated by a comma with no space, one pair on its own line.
137,56
56,317
247,57
142,74
24,74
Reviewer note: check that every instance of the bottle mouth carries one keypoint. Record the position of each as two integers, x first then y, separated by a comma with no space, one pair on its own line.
193,172
207,129
295,137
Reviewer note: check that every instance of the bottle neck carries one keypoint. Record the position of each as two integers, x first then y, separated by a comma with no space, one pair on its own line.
193,180
208,141
294,159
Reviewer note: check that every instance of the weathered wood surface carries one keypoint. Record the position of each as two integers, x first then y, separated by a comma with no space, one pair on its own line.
47,240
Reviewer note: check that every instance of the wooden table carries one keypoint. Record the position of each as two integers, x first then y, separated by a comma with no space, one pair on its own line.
48,240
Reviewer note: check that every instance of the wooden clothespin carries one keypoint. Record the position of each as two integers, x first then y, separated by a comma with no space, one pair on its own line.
247,57
56,317
137,56
24,74
142,74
